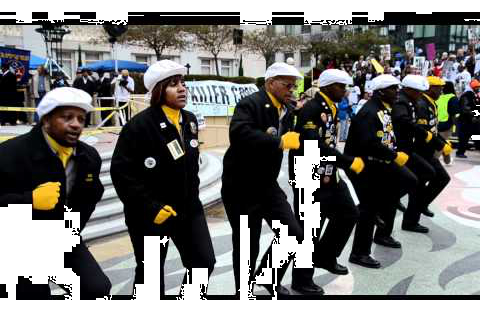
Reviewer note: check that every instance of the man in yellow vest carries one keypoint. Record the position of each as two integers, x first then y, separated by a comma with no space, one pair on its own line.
448,107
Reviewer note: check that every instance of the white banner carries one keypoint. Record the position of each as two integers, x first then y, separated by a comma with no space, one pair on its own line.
215,98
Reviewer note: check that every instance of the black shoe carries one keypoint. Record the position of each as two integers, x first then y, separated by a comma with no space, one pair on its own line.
428,213
364,261
281,290
462,156
334,267
387,242
415,228
308,289
401,207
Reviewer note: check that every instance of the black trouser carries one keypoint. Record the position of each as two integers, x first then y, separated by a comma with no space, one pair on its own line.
193,241
378,187
104,114
425,173
342,213
464,132
93,282
437,183
269,206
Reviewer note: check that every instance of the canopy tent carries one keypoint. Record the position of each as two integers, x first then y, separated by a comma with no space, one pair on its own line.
109,65
36,61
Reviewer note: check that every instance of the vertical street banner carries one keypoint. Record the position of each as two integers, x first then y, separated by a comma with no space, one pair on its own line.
18,61
431,51
216,98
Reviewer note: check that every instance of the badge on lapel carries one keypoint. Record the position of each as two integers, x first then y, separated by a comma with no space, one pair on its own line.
272,131
89,177
150,163
193,127
267,106
194,143
163,125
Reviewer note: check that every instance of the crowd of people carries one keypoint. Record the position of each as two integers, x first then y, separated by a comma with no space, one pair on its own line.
107,90
397,133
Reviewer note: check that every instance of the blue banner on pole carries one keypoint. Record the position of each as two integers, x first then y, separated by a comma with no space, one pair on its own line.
18,60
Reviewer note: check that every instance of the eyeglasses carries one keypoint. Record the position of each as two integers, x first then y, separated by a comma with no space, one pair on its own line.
289,86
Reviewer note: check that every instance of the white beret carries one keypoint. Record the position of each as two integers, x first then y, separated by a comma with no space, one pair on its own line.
282,69
162,70
416,82
330,76
64,97
383,81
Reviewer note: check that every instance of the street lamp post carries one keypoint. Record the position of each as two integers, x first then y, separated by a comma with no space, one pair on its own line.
188,66
410,31
53,37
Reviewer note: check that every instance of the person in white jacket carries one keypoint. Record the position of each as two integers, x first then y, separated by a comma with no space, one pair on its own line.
124,87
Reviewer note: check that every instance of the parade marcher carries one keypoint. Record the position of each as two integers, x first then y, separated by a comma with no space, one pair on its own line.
155,174
385,179
49,168
259,132
105,92
448,108
407,131
427,117
8,95
318,121
469,102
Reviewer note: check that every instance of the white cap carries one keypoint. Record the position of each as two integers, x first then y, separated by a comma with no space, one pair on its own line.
416,82
330,76
383,81
282,69
64,97
162,70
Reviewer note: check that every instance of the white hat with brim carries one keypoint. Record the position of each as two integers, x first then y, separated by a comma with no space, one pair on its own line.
416,82
160,71
64,97
383,81
331,76
282,69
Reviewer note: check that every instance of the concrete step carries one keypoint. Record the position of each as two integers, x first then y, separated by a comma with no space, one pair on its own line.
108,218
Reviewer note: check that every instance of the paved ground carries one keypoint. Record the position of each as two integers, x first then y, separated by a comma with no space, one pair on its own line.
444,262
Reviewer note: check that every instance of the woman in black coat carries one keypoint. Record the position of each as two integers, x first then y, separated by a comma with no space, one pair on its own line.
155,173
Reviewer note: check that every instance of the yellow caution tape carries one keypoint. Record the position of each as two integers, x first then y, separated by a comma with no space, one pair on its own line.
24,109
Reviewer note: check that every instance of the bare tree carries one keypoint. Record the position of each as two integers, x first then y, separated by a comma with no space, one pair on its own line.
156,37
213,38
267,43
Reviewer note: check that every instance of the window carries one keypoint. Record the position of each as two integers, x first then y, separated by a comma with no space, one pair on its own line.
418,31
306,29
287,55
205,65
92,57
305,59
326,28
429,31
142,59
289,30
65,60
226,68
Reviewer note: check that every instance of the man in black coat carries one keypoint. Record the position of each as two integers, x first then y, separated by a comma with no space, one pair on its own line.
407,131
87,84
49,168
427,118
259,132
318,121
467,123
385,179
8,95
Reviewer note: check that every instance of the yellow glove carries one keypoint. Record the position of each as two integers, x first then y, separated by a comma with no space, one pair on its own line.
429,136
164,214
357,165
447,149
45,196
401,158
290,140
